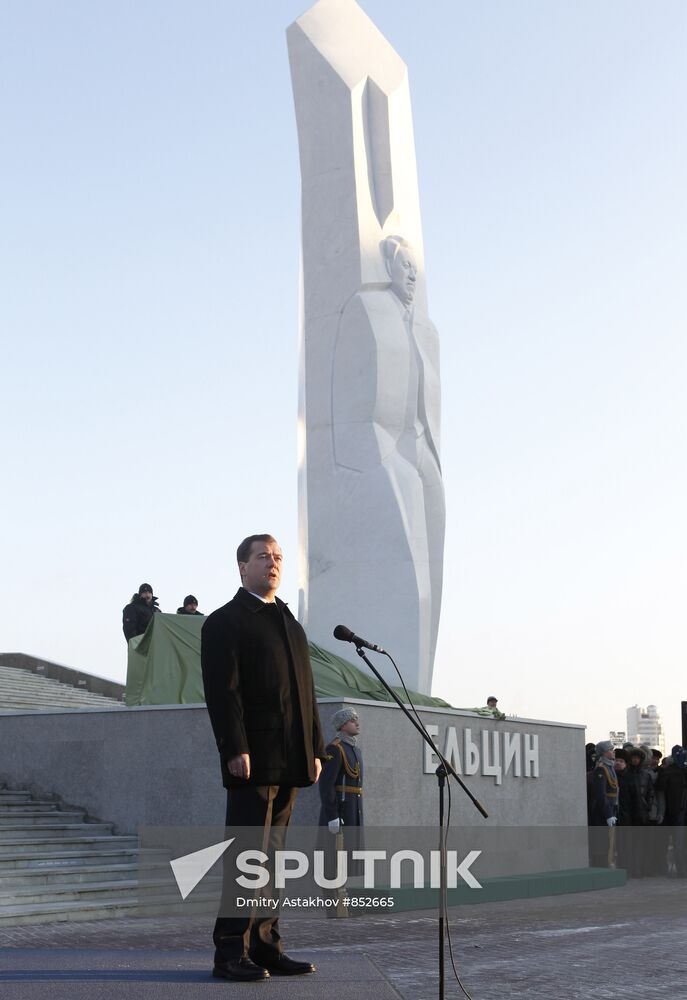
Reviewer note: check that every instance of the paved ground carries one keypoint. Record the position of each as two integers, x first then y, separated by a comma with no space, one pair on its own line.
618,943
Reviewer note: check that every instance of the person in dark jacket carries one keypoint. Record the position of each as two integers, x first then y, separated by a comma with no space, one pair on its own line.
621,763
190,606
137,614
641,797
621,835
672,784
260,696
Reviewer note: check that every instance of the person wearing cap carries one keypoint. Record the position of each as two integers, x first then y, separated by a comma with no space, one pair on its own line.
491,708
190,606
603,802
341,781
138,612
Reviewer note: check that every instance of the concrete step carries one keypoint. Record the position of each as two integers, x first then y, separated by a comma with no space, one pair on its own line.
10,797
53,860
11,847
32,706
64,695
54,865
12,831
32,684
12,680
29,817
102,909
44,913
7,806
70,892
68,874
43,705
22,690
43,699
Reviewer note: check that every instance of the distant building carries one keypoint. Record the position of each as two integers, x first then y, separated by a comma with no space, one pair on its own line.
617,739
644,726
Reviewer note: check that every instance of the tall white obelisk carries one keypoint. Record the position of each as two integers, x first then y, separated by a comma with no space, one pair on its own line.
371,498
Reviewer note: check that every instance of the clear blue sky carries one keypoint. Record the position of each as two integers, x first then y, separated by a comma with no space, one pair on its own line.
149,211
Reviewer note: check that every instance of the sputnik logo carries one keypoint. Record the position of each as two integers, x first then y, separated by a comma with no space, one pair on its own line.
191,868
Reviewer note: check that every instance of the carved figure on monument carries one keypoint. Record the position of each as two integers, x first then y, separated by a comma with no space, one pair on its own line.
371,495
386,428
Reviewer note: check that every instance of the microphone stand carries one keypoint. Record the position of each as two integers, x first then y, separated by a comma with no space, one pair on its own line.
442,772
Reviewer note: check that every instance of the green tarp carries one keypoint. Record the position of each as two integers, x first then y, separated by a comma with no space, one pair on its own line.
164,663
164,669
337,678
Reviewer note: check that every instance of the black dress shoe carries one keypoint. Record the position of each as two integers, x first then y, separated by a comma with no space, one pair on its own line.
241,969
282,965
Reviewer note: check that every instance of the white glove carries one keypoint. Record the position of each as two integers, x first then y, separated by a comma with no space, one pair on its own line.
611,821
334,825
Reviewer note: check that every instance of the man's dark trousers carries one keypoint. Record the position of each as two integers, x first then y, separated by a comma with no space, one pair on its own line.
267,807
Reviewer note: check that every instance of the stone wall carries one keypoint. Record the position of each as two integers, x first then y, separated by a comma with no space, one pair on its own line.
158,766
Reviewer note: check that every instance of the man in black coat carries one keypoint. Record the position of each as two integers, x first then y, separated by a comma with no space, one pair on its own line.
672,782
641,799
624,826
260,697
137,614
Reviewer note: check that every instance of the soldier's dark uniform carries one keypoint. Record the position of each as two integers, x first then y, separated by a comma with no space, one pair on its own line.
341,797
604,794
603,804
341,785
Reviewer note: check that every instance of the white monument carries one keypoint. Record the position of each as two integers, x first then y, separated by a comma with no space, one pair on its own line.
371,498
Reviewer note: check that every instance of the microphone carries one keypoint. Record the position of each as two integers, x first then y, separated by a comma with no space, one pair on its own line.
345,634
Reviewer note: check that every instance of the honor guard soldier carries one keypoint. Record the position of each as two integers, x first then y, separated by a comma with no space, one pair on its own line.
341,797
603,806
341,781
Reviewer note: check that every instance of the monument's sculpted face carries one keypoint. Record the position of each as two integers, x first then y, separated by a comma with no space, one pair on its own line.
402,268
371,499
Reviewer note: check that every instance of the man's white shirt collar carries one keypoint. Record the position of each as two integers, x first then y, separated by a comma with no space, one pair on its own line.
260,598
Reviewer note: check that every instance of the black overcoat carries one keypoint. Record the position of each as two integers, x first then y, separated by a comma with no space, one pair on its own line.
260,693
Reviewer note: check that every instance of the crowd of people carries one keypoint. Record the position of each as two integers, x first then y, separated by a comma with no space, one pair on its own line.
143,605
637,805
